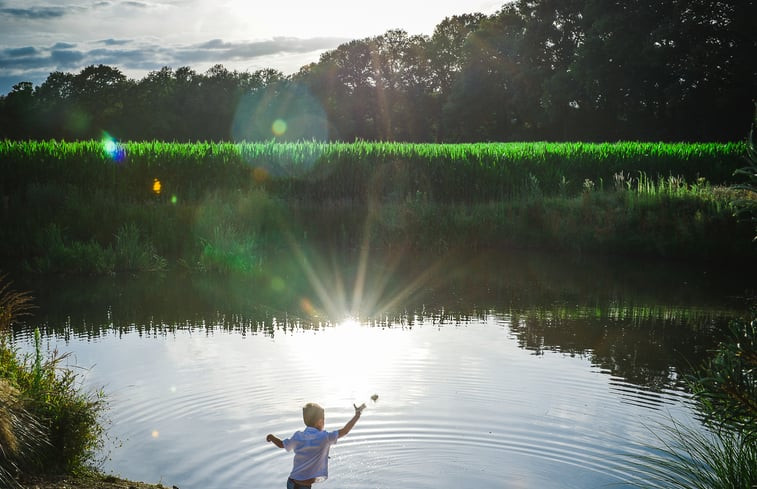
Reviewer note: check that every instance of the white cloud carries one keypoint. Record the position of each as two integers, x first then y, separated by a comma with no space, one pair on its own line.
41,36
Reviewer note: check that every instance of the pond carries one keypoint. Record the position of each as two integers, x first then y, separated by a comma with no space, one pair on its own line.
515,370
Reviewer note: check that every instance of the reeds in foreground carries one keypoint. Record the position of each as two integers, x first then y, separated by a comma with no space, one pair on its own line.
21,435
13,304
47,423
693,458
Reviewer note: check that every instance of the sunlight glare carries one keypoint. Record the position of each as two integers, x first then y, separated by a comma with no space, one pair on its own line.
355,360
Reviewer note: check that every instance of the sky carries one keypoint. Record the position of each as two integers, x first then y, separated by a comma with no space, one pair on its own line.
38,37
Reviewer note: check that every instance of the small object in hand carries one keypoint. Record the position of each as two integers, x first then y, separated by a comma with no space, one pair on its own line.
374,397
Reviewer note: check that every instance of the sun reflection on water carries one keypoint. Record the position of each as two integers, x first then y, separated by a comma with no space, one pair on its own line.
350,361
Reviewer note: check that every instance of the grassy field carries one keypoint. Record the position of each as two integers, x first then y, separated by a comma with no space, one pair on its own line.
444,173
105,206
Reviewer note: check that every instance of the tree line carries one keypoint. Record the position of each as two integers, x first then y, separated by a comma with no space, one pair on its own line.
536,70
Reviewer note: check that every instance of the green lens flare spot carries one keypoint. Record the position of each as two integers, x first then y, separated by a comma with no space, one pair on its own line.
277,284
279,127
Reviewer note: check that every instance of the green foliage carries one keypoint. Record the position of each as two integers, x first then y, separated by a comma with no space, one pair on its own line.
533,70
689,458
726,388
746,205
47,424
128,253
230,230
723,453
73,209
314,171
70,417
228,250
55,255
132,253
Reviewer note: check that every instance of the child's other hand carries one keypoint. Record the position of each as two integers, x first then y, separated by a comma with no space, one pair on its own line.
359,409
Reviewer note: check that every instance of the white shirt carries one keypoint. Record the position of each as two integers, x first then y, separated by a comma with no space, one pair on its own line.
311,453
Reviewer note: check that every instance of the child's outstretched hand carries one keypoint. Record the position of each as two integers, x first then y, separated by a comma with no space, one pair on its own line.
359,409
275,440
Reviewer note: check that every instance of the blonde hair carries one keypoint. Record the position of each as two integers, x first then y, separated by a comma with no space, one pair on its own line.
312,413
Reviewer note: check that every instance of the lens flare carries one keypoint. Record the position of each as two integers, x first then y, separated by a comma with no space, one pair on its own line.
278,284
280,113
259,174
113,149
279,127
110,146
307,307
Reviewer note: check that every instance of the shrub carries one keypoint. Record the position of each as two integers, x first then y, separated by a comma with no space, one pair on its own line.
48,424
132,253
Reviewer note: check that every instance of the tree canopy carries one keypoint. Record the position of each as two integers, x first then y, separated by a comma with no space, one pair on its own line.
535,70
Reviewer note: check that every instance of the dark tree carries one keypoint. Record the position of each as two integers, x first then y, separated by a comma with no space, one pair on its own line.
535,70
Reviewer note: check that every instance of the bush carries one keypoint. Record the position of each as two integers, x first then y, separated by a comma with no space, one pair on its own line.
48,424
726,388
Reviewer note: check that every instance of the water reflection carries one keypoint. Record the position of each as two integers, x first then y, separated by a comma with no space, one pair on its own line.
459,403
645,325
524,365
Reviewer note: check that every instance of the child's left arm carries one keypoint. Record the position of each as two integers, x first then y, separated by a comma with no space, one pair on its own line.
275,440
348,427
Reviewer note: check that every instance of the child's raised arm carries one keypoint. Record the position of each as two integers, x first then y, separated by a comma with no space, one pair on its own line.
351,423
273,439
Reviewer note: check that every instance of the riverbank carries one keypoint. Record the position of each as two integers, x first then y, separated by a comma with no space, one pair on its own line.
71,208
98,481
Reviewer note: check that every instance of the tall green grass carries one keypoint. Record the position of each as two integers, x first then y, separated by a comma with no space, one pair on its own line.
355,171
690,458
48,424
724,454
102,207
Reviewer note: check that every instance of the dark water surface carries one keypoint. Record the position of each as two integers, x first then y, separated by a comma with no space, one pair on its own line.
510,371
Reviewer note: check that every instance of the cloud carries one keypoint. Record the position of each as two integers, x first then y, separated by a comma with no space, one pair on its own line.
47,13
34,63
20,52
66,58
137,4
114,42
36,12
218,49
27,58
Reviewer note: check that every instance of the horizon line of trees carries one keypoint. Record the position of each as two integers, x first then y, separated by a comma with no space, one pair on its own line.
559,70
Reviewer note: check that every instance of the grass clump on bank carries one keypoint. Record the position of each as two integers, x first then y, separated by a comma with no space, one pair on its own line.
724,454
48,425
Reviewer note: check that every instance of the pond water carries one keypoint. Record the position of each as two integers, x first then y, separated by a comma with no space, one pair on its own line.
508,371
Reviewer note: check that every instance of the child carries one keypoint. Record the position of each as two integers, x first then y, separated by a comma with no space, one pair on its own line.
311,447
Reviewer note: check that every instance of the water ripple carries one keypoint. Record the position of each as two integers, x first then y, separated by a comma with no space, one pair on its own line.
458,406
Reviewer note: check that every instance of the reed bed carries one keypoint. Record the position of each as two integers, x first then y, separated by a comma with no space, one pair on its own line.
105,207
315,171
